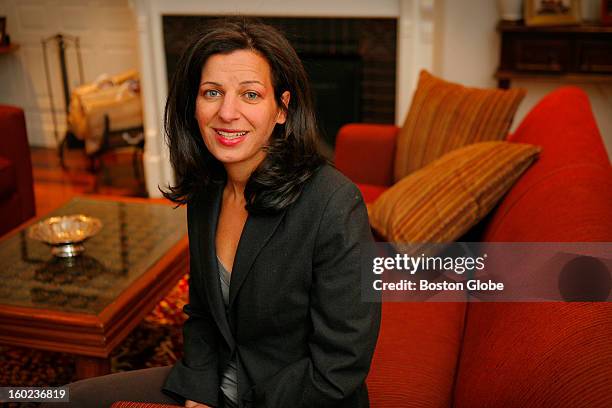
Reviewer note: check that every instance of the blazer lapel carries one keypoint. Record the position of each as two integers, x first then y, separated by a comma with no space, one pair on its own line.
258,229
207,227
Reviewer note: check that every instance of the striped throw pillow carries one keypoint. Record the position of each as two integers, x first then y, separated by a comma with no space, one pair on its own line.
441,201
444,116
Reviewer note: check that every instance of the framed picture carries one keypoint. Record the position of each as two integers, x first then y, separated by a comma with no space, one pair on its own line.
606,12
552,12
2,30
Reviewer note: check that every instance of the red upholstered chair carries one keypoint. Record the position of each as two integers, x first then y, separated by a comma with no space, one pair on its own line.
16,182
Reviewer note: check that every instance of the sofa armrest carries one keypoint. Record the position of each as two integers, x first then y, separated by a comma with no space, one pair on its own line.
365,153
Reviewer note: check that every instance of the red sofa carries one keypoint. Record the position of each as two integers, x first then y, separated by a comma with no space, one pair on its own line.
16,183
501,354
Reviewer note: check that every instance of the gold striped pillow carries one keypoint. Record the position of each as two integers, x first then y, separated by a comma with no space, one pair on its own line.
444,116
442,201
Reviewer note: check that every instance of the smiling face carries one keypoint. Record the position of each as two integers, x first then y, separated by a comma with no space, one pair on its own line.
235,108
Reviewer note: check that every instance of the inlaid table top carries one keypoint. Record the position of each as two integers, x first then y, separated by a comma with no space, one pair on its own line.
87,304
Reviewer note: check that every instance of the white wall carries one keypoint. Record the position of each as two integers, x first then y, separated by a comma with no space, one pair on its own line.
466,48
467,51
466,43
107,30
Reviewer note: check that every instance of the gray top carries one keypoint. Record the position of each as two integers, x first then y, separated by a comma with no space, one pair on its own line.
229,384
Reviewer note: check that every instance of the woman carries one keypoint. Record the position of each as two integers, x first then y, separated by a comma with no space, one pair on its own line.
291,328
275,234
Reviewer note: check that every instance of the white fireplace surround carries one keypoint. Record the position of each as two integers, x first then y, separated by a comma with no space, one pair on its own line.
414,52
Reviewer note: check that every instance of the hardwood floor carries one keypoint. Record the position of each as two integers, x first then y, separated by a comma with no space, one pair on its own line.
54,186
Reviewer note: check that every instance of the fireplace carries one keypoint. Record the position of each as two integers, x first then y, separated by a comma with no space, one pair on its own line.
351,63
379,101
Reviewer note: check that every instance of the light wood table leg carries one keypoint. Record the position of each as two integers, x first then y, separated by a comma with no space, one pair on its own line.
87,367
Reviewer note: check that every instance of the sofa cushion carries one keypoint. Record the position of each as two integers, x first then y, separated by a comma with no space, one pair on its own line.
567,194
415,358
8,179
440,202
444,116
536,355
553,354
572,204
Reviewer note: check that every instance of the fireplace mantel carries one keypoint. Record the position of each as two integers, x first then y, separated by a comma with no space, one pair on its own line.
414,48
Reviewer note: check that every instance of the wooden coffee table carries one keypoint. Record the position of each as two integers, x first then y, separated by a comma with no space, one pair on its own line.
88,304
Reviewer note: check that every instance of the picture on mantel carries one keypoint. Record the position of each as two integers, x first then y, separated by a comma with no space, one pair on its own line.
552,12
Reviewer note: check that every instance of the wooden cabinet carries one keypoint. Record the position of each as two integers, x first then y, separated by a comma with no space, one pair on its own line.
560,53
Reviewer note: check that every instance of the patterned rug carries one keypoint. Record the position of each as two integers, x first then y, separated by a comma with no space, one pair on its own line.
156,342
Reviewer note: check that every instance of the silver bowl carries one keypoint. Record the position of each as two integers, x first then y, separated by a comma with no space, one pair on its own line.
65,234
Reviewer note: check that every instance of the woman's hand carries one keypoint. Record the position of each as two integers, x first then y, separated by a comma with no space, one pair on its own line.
193,404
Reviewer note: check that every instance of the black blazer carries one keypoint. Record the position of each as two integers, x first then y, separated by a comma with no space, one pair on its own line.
296,321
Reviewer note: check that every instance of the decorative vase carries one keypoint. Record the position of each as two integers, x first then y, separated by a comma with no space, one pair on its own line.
510,10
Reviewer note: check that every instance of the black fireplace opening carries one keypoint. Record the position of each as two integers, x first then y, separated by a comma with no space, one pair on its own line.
351,64
337,98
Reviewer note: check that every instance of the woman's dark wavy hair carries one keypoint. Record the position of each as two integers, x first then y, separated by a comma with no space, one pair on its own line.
292,156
